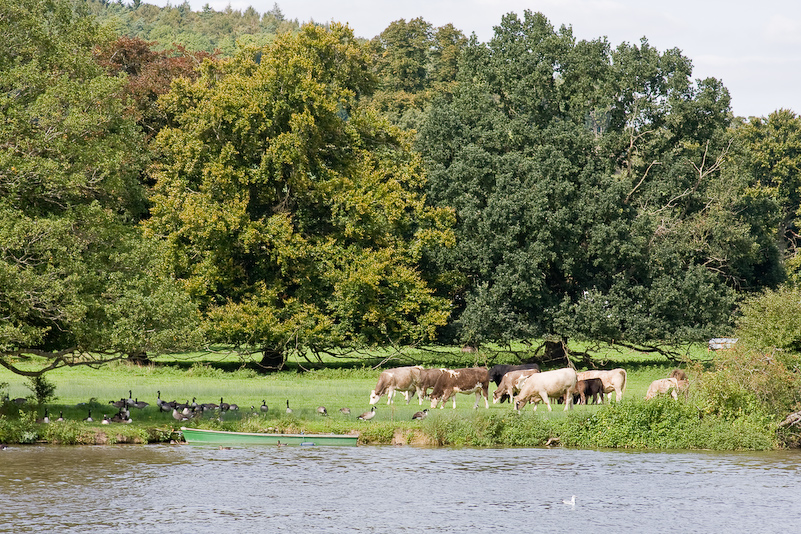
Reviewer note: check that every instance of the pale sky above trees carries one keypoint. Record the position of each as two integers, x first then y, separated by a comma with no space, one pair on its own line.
753,48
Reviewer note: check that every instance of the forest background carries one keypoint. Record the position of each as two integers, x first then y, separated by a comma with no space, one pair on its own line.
174,180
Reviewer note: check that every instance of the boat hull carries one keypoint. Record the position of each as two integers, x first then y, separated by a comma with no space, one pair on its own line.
214,437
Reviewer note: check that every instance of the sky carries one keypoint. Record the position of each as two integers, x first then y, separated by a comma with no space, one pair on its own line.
754,48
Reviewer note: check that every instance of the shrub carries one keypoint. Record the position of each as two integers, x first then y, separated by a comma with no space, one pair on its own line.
747,382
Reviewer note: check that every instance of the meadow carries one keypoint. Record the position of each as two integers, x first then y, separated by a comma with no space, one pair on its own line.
346,383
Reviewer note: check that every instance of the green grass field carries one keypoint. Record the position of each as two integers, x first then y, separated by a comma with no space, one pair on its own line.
347,383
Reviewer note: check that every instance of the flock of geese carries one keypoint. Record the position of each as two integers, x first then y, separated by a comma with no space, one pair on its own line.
190,410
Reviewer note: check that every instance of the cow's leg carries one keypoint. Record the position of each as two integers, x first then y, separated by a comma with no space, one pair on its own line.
547,400
390,394
569,401
453,396
485,392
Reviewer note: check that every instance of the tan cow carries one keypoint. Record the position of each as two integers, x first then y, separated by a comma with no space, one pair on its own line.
403,379
614,380
547,385
510,384
467,380
663,385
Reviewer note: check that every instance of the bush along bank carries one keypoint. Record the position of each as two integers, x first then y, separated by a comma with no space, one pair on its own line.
661,423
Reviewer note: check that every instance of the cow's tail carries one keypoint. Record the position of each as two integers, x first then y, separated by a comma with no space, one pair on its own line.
625,382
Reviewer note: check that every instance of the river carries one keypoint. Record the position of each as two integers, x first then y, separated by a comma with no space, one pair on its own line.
202,489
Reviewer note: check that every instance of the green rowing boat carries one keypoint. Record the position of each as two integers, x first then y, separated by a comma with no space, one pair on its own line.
215,437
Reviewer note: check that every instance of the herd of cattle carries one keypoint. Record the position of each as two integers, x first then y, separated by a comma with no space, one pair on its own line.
519,384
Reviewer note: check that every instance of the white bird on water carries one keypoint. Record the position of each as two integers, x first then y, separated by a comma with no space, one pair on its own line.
571,502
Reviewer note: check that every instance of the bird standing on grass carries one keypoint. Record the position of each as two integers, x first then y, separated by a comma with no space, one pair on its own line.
420,415
366,416
321,410
264,407
288,409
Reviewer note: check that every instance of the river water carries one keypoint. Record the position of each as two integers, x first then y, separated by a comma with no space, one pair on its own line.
199,489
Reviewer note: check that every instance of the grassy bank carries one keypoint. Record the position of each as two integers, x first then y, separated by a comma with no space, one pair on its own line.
632,423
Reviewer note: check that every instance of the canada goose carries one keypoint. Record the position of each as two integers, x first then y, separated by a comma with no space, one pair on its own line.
224,406
118,404
263,407
345,411
288,409
420,415
89,417
366,416
44,420
139,405
20,400
122,416
194,405
106,420
233,407
60,417
129,401
321,410
178,416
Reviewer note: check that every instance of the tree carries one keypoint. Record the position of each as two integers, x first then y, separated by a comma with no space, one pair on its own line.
149,74
292,214
78,284
413,61
590,192
772,158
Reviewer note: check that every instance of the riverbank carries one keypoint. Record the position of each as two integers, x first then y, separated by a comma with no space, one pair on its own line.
632,423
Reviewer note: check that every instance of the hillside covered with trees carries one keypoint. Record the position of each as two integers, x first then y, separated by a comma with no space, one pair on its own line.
171,180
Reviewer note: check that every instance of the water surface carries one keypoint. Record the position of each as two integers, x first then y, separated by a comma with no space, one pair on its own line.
199,489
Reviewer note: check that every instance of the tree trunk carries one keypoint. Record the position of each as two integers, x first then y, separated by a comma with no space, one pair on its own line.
272,359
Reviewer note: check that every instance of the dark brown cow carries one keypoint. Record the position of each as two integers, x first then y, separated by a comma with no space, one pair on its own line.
589,387
467,380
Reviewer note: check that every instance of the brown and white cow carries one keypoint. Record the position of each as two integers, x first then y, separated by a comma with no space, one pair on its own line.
614,380
663,385
467,380
403,379
510,384
586,389
547,385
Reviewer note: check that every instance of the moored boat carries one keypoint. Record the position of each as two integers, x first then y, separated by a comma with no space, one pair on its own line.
199,435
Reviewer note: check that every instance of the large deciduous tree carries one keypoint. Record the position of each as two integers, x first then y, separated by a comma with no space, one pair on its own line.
292,214
590,192
78,284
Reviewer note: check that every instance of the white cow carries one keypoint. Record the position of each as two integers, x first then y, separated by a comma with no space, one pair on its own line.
614,380
544,386
663,385
403,379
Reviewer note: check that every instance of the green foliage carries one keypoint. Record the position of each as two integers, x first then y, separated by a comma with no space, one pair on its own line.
75,274
44,390
770,320
206,30
664,423
748,382
293,215
589,191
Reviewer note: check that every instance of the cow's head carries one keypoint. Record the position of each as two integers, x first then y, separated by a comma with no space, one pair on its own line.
374,398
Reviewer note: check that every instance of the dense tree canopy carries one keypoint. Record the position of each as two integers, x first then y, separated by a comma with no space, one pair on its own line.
293,215
588,190
76,276
170,178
